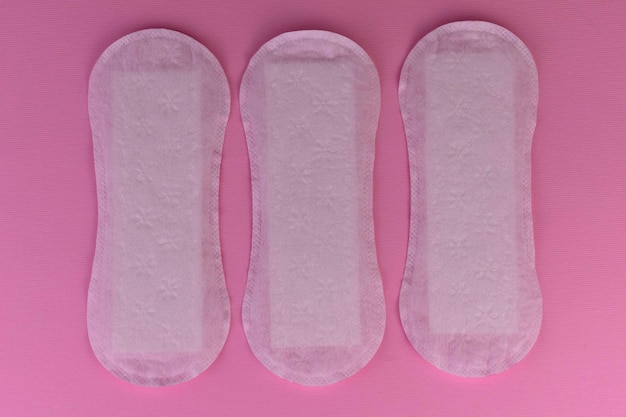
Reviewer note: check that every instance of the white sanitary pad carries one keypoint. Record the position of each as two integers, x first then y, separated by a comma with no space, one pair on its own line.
158,310
314,310
470,302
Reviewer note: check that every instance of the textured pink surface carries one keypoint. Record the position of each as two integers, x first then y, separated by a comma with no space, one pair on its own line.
48,212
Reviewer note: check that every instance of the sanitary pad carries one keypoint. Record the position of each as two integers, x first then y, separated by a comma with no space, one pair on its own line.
470,301
158,310
313,310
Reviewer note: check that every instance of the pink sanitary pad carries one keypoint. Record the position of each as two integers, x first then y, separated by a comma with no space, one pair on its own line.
313,310
470,302
158,310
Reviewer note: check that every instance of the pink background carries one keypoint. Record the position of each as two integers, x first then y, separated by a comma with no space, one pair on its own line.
48,211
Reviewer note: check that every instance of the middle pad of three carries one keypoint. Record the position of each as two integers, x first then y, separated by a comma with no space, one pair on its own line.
314,311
